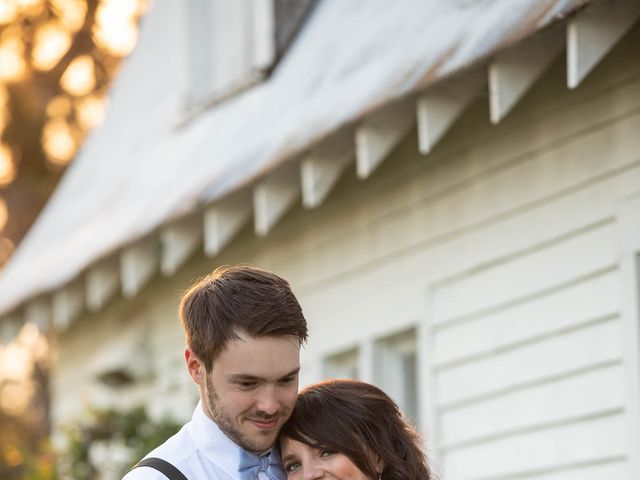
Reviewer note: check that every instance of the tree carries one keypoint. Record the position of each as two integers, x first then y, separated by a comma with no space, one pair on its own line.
57,58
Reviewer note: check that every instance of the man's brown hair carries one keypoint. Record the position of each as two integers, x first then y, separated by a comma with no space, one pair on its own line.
238,299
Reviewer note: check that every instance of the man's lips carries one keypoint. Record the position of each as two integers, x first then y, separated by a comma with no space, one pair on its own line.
263,424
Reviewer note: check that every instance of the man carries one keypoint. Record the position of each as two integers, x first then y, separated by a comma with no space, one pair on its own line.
244,328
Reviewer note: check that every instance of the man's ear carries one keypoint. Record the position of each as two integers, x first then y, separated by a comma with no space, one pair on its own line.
194,366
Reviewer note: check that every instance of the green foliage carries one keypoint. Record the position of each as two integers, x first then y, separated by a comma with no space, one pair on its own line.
133,429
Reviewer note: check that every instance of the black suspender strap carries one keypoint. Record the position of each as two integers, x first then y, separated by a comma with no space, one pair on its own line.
164,467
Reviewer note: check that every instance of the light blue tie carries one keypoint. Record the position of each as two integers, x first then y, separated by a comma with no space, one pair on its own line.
250,464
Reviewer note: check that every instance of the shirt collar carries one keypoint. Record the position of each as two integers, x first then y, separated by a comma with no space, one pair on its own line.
213,443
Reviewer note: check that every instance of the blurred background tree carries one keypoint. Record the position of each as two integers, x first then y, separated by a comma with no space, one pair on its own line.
57,59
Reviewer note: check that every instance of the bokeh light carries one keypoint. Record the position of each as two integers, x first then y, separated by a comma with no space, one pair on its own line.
14,67
51,42
15,397
7,166
6,249
58,141
115,30
30,8
90,111
70,12
79,78
8,11
4,214
59,106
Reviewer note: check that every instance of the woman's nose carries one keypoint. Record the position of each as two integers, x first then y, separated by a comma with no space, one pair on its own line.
312,472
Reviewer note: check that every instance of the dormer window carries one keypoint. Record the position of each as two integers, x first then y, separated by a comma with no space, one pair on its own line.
235,43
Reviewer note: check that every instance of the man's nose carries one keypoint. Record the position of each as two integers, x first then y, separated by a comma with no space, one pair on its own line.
268,402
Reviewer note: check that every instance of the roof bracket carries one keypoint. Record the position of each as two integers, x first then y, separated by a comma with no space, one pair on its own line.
439,107
381,132
322,167
592,34
10,327
66,305
179,240
274,196
513,72
138,263
38,312
224,219
101,284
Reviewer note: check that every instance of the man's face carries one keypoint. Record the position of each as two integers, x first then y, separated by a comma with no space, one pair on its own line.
252,388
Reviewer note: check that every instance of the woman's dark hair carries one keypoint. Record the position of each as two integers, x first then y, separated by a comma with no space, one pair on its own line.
360,421
238,299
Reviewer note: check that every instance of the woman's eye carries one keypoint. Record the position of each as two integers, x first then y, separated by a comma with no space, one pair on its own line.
326,452
291,467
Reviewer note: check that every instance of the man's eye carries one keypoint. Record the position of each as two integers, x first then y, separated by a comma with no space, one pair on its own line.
247,384
287,380
291,467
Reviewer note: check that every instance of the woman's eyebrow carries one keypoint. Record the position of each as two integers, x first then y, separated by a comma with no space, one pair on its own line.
289,457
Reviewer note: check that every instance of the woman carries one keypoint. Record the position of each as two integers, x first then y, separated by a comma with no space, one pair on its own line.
350,430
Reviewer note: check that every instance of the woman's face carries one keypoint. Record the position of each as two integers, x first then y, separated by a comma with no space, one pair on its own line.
302,462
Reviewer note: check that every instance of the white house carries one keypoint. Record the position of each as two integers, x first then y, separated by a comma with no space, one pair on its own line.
452,188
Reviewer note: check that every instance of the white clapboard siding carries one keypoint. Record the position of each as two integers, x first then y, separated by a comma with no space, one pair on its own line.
612,468
586,394
552,172
550,148
526,275
592,298
537,362
540,451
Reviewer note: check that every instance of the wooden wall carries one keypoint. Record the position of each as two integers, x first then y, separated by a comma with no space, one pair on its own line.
501,248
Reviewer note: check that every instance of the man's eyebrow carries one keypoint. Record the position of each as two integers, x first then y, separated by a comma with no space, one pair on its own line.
245,377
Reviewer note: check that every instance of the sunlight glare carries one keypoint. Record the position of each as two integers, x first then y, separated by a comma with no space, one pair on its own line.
51,42
7,168
79,78
58,142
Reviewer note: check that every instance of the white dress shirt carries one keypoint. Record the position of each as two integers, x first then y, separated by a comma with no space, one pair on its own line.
200,450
